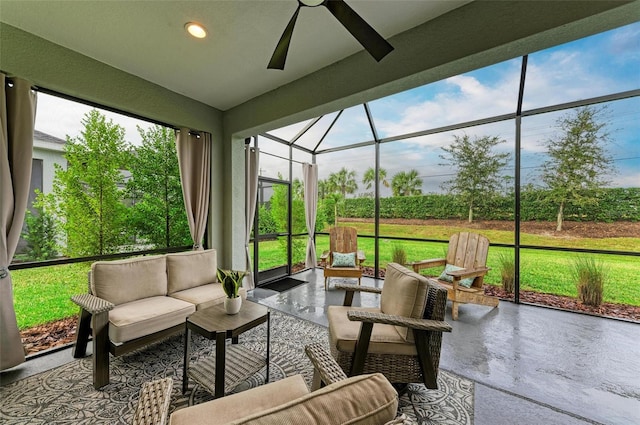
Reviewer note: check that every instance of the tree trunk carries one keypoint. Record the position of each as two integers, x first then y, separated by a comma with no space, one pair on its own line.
471,214
560,217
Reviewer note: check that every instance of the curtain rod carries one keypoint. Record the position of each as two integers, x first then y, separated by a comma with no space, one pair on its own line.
97,105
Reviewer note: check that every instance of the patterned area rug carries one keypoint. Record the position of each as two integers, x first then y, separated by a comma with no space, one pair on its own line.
65,395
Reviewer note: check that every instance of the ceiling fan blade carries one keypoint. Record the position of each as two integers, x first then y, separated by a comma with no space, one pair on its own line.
282,48
373,42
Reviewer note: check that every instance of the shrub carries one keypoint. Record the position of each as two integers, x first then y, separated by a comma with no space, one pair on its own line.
590,276
507,271
399,255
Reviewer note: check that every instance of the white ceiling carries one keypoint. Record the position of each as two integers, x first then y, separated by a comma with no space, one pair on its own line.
146,38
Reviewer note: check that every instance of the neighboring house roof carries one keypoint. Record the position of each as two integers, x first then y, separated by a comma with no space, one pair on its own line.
44,137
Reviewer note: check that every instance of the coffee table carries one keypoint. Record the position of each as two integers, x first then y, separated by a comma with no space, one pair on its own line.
230,365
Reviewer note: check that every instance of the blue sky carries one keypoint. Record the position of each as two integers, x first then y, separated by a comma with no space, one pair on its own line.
598,65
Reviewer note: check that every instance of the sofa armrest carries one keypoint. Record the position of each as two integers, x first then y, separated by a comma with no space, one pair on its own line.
387,319
326,369
92,304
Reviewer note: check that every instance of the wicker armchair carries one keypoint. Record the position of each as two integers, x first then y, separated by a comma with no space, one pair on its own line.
404,344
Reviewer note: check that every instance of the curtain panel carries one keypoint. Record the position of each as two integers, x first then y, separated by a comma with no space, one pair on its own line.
194,160
17,118
251,192
310,178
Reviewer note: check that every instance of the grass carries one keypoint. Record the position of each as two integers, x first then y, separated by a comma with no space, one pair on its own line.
42,294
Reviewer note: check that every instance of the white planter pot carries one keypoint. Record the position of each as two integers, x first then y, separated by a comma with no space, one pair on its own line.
232,305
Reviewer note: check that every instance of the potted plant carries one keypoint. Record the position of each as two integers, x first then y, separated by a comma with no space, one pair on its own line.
231,281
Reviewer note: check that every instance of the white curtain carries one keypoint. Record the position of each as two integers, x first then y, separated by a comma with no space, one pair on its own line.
17,117
194,159
310,177
251,193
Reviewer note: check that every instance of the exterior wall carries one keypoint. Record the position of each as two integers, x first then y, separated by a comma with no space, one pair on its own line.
50,153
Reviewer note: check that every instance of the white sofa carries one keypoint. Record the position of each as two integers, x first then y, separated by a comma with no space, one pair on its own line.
136,301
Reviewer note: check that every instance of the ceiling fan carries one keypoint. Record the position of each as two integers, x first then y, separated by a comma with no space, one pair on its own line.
373,42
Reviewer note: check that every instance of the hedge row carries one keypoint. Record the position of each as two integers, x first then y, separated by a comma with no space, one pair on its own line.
619,204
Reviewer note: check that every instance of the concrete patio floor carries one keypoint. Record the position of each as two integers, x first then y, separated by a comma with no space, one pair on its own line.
531,365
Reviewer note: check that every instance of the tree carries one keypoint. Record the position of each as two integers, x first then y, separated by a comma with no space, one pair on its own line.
406,183
479,167
41,229
87,193
370,177
578,160
158,213
344,181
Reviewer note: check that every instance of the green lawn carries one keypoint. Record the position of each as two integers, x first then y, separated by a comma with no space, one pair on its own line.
42,294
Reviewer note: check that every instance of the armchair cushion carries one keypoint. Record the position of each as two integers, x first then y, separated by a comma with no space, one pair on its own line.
403,294
451,268
122,281
346,259
190,269
237,406
385,339
363,399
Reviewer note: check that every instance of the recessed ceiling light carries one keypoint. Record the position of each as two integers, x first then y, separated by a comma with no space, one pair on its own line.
195,29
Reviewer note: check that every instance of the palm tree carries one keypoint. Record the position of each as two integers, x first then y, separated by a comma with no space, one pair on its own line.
370,176
344,181
406,183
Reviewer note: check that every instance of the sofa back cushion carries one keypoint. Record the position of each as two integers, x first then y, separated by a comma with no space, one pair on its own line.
186,270
362,399
404,294
122,281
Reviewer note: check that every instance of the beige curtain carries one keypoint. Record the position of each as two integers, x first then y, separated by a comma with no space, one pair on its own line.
251,192
18,111
310,178
194,159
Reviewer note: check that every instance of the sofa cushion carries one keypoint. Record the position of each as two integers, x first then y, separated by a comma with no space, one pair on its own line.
385,339
146,316
206,295
122,281
403,294
363,399
237,406
191,269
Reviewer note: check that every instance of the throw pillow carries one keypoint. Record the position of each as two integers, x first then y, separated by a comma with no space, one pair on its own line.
451,268
347,259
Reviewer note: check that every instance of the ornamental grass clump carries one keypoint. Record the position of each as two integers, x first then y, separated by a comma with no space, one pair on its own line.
590,276
399,255
231,281
507,272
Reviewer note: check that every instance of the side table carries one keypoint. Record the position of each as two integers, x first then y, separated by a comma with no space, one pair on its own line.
231,365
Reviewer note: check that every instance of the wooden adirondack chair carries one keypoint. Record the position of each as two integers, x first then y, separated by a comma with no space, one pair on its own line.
342,240
467,251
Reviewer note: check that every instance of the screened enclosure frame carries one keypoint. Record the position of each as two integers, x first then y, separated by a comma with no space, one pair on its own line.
516,116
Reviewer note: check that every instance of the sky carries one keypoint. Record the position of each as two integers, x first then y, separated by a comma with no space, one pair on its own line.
594,66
